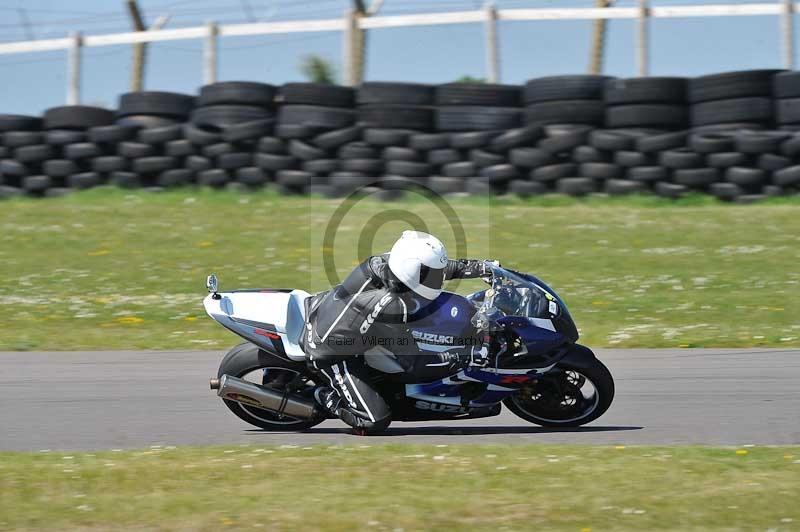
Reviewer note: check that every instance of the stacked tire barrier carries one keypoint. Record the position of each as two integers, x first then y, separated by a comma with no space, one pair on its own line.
735,135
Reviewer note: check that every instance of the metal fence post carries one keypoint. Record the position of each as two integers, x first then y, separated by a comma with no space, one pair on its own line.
490,27
210,53
642,39
348,48
787,27
74,68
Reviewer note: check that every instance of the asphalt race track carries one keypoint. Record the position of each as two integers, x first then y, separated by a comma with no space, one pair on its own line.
107,400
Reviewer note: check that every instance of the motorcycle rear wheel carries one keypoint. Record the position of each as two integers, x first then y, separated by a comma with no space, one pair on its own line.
561,397
247,361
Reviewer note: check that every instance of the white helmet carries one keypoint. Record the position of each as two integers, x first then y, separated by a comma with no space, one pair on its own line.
418,259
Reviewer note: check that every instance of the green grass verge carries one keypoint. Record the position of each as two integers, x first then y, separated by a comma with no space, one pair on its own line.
118,269
406,487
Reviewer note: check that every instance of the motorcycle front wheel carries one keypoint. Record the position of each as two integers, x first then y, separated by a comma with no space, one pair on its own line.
246,361
567,396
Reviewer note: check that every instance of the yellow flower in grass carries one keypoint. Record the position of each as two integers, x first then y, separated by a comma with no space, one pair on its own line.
741,452
190,318
98,253
129,320
205,244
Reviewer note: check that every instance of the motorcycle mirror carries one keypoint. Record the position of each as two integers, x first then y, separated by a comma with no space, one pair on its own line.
212,284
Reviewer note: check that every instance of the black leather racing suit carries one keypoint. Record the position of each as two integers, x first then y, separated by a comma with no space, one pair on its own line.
369,307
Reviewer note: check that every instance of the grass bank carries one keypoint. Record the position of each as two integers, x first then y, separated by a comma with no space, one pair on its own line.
119,269
403,487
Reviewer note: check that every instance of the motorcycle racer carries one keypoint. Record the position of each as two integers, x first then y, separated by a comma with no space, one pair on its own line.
370,311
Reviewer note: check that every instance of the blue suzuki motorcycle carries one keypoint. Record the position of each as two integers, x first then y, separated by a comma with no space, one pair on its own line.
536,368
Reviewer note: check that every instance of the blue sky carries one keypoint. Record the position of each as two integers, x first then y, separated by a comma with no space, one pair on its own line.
30,83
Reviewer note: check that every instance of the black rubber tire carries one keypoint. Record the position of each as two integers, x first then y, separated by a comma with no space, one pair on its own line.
787,111
198,163
7,192
661,142
110,163
731,127
125,179
297,131
82,150
371,167
294,178
526,189
358,150
524,136
200,136
338,137
17,139
746,177
483,158
12,168
725,191
112,134
575,87
157,103
661,90
630,159
60,137
321,166
604,139
347,183
160,135
472,139
387,137
711,142
443,156
589,154
304,151
670,190
77,117
758,110
220,148
180,148
251,176
386,92
235,160
408,169
135,150
680,159
478,94
401,153
60,168
648,174
771,163
786,85
35,154
647,115
553,172
576,186
623,187
84,180
696,177
19,123
248,130
479,187
461,170
174,178
500,173
446,185
791,147
591,112
36,184
141,121
223,116
563,143
787,177
274,162
758,142
601,171
475,118
316,94
215,178
271,145
530,157
395,182
738,84
154,164
237,93
396,116
726,159
429,141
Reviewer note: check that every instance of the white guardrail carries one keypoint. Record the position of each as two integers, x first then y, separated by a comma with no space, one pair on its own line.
489,16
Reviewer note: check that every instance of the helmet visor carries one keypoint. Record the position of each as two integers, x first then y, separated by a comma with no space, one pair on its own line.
431,277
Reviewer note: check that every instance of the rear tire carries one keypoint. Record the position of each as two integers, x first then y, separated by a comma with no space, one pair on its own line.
524,404
246,359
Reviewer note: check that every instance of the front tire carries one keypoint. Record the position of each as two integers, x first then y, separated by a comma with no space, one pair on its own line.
247,361
570,395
